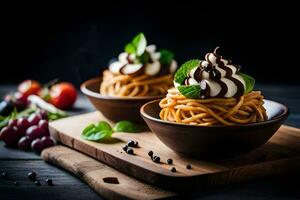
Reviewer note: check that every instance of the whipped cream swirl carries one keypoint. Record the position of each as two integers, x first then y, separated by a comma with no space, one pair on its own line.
217,77
126,64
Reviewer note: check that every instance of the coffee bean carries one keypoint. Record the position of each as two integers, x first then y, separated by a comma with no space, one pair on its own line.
131,143
156,159
150,153
170,161
4,175
129,151
38,183
32,176
125,147
49,181
136,144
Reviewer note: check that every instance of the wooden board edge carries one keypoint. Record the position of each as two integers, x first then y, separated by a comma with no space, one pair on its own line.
53,155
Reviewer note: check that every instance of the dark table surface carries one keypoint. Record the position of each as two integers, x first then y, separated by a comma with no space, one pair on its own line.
18,163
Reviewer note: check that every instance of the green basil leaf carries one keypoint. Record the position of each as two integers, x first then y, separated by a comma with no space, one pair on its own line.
190,91
88,128
182,73
250,82
166,56
98,131
126,126
103,126
137,45
93,135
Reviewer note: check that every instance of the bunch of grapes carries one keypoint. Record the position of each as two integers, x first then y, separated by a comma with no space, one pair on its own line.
28,132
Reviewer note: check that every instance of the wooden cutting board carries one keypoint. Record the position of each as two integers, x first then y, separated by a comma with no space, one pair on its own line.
106,181
281,154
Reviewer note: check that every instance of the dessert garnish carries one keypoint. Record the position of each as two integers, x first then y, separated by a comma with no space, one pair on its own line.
212,92
213,77
141,70
139,58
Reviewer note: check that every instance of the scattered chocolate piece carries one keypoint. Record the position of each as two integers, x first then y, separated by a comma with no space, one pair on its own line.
156,159
111,180
150,153
173,169
16,183
125,147
129,151
4,175
32,176
37,183
189,166
170,161
49,181
131,143
136,144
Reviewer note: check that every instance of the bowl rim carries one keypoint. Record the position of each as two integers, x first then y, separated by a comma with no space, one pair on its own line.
86,91
283,115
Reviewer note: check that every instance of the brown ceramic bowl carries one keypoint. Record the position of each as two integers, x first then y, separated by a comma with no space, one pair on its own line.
213,141
115,108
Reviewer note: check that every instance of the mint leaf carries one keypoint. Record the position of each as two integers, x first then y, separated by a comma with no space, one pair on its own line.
96,132
130,49
137,45
182,73
190,91
249,82
144,58
166,56
126,126
140,43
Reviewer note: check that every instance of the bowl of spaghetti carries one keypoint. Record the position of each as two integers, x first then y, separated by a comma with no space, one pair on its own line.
140,74
213,110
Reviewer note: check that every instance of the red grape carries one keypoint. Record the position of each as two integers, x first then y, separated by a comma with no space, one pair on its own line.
34,119
20,101
23,124
43,124
36,145
24,143
10,136
12,122
47,142
43,114
34,132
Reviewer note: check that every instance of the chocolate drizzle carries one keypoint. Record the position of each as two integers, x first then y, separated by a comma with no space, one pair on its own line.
218,69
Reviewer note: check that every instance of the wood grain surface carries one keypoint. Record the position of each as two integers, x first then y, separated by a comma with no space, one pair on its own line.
105,180
281,154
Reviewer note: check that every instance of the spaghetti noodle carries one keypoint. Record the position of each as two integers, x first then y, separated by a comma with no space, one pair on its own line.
245,109
135,85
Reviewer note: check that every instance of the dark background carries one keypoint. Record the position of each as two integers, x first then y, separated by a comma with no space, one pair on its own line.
72,42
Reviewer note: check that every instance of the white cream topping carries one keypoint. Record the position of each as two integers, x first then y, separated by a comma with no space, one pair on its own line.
215,87
131,68
192,72
232,88
151,69
173,66
192,81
